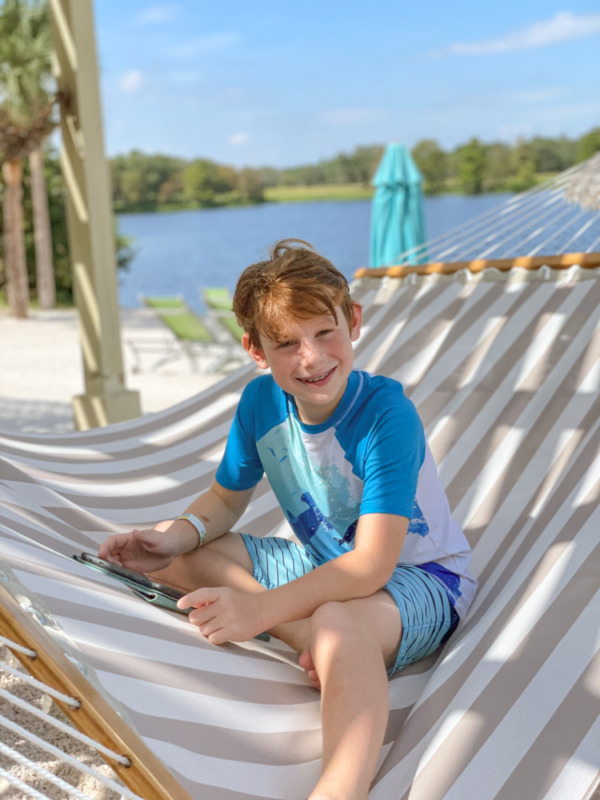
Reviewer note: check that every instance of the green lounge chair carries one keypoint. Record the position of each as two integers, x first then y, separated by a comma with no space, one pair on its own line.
219,302
191,336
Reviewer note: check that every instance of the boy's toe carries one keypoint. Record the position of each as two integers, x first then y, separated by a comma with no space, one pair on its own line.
306,660
308,665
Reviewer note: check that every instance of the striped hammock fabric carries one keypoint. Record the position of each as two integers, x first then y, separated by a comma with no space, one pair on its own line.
504,369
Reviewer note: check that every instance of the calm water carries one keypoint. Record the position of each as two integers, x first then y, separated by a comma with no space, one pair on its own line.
181,251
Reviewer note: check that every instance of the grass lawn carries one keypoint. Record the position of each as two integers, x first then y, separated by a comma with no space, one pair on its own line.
327,191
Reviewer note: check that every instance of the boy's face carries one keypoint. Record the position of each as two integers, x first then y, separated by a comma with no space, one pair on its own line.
313,362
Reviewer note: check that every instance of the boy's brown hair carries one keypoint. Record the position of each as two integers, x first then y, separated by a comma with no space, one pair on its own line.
295,281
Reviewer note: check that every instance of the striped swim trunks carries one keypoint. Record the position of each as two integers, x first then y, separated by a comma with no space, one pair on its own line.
428,617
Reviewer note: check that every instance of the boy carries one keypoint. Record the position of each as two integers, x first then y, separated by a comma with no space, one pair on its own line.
379,579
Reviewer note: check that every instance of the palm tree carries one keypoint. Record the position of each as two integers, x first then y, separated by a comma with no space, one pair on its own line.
26,119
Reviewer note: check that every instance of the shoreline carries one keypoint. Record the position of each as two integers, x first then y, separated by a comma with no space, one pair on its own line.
310,197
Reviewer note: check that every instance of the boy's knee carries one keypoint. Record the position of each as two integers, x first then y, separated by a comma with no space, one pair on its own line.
334,621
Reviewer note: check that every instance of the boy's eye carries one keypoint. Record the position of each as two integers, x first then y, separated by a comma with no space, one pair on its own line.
282,345
325,332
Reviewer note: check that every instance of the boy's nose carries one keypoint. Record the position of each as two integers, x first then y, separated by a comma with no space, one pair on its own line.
309,351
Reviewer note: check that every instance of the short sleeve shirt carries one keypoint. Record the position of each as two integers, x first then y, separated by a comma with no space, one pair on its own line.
369,457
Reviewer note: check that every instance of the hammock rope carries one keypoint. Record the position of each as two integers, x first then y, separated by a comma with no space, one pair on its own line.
556,216
61,726
43,744
64,698
41,772
65,757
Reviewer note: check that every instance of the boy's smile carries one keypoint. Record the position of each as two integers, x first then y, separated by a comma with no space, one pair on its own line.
320,379
313,362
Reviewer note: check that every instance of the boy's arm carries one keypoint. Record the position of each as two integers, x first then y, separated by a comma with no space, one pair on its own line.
218,508
153,549
226,615
358,573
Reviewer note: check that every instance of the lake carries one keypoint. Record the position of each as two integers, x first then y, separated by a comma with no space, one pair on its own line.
181,251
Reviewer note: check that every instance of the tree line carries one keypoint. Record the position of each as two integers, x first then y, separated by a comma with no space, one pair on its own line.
476,167
143,182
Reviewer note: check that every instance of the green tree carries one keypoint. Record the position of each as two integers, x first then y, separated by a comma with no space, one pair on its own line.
57,195
141,182
170,191
269,176
356,167
472,163
588,145
57,216
60,245
26,119
498,166
547,154
249,185
567,151
367,158
523,167
203,181
431,161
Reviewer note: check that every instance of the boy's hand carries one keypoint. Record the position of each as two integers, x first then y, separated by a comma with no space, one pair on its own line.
224,615
142,551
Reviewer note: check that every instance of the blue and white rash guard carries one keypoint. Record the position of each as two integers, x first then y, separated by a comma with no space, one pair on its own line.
369,457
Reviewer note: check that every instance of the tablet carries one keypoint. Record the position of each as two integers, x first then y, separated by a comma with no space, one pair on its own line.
154,592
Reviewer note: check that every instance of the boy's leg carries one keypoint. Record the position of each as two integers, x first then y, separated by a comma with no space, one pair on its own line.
222,562
352,645
225,562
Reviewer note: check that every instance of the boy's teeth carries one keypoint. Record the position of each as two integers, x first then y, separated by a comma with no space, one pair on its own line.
320,378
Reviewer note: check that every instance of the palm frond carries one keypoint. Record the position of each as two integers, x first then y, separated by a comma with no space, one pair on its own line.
26,85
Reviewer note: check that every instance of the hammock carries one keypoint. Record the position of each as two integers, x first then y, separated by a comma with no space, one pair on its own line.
504,371
504,368
561,215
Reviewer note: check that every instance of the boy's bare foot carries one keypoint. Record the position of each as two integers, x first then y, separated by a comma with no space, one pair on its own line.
307,664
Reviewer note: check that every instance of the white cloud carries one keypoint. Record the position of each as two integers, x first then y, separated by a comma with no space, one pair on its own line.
562,27
238,139
202,45
132,81
154,15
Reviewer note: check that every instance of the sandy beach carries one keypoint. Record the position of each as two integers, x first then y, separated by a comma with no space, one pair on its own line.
41,369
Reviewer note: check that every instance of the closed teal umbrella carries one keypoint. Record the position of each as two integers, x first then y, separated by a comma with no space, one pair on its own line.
397,209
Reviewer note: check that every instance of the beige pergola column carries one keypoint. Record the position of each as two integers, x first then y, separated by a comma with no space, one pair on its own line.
90,219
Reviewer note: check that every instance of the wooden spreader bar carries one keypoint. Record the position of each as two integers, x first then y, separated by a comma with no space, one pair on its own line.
146,776
584,260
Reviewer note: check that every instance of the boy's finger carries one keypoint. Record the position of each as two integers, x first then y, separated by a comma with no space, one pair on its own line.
112,545
108,553
199,598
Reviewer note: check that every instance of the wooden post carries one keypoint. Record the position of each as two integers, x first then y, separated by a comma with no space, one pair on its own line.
90,219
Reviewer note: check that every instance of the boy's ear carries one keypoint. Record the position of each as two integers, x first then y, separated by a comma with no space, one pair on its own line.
256,353
356,321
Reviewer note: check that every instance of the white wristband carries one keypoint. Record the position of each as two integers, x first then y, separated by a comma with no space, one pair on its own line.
200,529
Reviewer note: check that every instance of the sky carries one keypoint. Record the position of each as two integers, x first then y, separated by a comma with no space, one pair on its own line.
284,83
